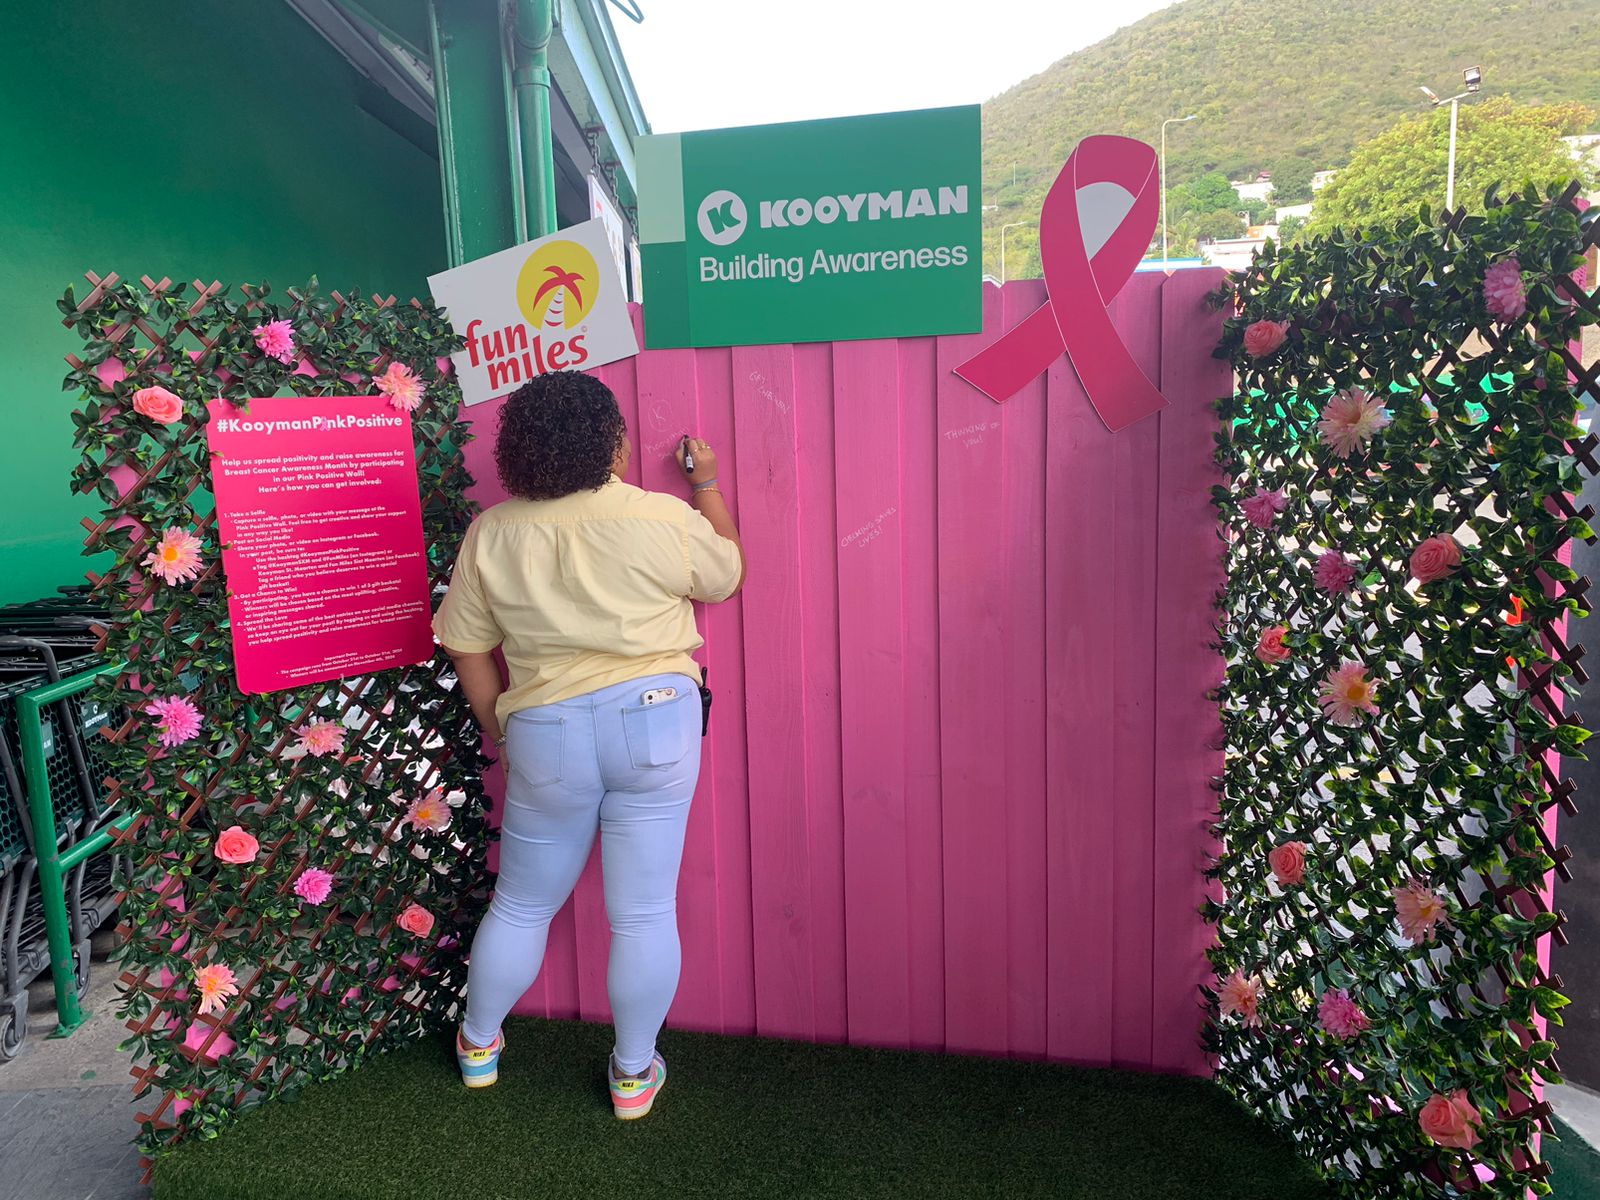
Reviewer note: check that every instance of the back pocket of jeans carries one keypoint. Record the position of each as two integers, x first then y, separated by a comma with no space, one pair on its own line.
658,734
535,745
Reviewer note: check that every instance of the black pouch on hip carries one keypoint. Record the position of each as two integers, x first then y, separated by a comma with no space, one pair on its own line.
705,702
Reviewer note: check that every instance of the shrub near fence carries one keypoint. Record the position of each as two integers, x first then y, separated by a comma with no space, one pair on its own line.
1402,464
306,862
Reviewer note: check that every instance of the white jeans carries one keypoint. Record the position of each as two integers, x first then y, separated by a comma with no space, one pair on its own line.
601,763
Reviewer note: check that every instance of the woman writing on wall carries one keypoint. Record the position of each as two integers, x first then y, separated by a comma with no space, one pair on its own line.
584,583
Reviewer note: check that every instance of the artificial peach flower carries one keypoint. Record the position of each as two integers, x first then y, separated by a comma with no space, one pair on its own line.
1261,338
429,812
416,919
402,386
217,986
1340,1015
1347,693
1350,419
176,558
275,339
1288,863
234,845
177,719
321,737
1241,997
158,404
1420,910
1435,558
1451,1120
1270,648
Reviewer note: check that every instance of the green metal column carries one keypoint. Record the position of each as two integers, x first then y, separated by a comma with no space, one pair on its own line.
474,105
531,33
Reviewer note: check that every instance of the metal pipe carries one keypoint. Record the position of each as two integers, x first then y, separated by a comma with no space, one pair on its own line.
532,25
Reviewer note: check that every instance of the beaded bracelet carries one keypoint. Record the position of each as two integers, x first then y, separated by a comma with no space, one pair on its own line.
710,483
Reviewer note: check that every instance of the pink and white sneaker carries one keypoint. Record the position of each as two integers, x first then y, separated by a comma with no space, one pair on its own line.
633,1098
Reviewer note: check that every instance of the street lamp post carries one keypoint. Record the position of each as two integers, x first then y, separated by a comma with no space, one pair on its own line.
1164,124
1003,229
1473,77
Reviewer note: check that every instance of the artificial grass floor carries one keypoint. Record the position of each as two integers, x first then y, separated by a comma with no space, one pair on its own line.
1574,1162
739,1118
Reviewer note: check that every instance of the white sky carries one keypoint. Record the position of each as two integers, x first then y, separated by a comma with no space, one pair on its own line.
701,64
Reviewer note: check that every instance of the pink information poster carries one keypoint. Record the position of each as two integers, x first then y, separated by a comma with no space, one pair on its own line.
321,529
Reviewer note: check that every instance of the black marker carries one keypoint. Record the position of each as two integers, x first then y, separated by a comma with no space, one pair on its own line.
688,457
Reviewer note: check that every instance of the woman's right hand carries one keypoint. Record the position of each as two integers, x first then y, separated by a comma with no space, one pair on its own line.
705,460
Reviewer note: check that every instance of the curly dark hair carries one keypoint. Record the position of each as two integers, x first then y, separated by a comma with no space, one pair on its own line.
559,434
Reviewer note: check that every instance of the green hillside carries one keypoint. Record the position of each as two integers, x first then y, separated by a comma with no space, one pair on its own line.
1273,81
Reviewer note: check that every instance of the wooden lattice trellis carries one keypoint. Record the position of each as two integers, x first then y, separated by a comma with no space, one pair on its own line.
320,985
1454,782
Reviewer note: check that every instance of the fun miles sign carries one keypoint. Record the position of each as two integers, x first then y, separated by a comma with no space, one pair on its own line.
860,227
555,304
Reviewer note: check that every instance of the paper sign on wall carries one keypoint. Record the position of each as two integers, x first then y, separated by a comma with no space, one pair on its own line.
321,527
553,304
602,210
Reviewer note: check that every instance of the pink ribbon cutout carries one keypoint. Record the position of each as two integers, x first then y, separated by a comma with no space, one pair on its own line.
1075,317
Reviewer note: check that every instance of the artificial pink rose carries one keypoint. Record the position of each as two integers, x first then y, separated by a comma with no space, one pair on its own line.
1435,558
1451,1120
416,919
1503,293
1270,648
234,845
1288,863
1261,338
158,404
1334,573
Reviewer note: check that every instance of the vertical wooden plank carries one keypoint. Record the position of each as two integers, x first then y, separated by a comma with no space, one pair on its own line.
1079,555
1020,680
723,628
1188,726
919,490
591,928
867,457
668,408
819,680
766,458
973,530
1137,317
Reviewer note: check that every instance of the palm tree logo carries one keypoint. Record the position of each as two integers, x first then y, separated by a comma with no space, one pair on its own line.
561,284
558,285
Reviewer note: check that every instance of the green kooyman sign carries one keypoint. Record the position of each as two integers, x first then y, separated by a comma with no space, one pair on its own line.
860,227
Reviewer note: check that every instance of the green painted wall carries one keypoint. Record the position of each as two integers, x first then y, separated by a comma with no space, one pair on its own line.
190,139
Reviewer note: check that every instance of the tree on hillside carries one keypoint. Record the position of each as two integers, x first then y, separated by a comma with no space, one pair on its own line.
1291,180
1209,193
1498,142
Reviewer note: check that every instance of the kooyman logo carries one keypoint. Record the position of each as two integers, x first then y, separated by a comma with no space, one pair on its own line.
723,217
557,289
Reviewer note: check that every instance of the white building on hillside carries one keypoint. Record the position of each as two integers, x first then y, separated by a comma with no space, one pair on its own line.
1258,188
1303,211
1321,179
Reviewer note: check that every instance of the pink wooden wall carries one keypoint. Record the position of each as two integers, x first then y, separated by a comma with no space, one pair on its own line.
955,793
